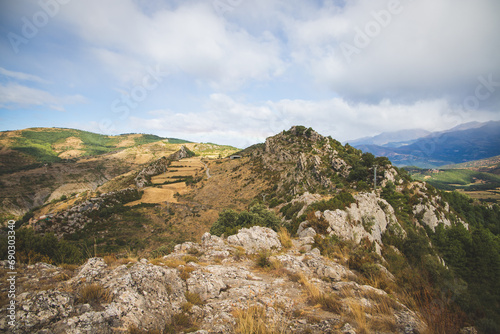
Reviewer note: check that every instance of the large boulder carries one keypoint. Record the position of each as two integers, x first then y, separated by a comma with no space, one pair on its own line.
255,238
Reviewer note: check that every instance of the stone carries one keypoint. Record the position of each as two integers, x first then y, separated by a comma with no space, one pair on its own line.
308,232
205,284
255,239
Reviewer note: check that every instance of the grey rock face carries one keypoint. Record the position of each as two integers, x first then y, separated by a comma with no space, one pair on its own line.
255,238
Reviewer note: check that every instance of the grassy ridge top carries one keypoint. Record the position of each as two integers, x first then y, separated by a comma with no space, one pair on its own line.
29,147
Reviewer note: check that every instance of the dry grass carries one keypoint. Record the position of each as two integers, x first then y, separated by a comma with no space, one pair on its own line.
357,312
93,294
239,253
135,330
71,267
328,301
382,282
174,263
158,261
284,236
185,272
112,261
190,258
253,320
180,323
385,324
193,298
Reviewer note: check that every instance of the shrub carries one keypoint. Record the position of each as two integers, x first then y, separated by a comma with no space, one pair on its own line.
341,201
229,221
291,209
263,259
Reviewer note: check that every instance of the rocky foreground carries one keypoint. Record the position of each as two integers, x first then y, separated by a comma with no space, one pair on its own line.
247,283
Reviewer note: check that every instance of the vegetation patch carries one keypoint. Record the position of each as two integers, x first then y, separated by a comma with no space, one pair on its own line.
230,221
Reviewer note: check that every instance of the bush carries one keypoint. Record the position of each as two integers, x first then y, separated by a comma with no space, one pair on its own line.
230,221
341,201
32,247
263,259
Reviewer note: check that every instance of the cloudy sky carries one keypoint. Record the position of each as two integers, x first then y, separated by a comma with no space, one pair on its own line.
237,71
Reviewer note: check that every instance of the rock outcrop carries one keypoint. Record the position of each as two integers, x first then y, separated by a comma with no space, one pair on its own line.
255,238
369,217
209,285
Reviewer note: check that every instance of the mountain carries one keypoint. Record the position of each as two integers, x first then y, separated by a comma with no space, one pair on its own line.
461,144
288,235
391,139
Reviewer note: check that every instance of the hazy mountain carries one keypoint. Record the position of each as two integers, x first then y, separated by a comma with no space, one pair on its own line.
394,139
467,142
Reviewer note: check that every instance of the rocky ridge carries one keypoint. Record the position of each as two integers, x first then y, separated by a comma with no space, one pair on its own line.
212,286
76,217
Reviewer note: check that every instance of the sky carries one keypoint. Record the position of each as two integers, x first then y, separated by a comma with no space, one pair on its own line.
238,71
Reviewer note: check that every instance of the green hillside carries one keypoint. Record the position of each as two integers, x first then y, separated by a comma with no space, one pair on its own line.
480,185
31,147
490,165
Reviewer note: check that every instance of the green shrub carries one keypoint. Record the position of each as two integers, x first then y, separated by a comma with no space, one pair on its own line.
230,221
291,209
263,259
341,201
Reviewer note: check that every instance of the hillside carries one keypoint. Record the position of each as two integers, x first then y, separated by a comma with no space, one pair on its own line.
37,168
489,165
478,179
434,255
29,148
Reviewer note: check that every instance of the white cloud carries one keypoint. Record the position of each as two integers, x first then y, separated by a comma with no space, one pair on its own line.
22,76
427,48
243,124
191,38
13,95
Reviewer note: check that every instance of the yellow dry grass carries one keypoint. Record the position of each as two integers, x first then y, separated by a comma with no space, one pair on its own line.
159,195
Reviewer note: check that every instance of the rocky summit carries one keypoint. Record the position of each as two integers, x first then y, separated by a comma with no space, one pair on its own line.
216,286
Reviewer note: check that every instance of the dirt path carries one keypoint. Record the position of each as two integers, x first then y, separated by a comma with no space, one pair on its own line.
207,170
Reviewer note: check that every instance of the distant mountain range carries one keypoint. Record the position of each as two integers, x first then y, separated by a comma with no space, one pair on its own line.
466,142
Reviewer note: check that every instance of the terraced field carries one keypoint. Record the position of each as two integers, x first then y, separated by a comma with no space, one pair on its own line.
166,185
